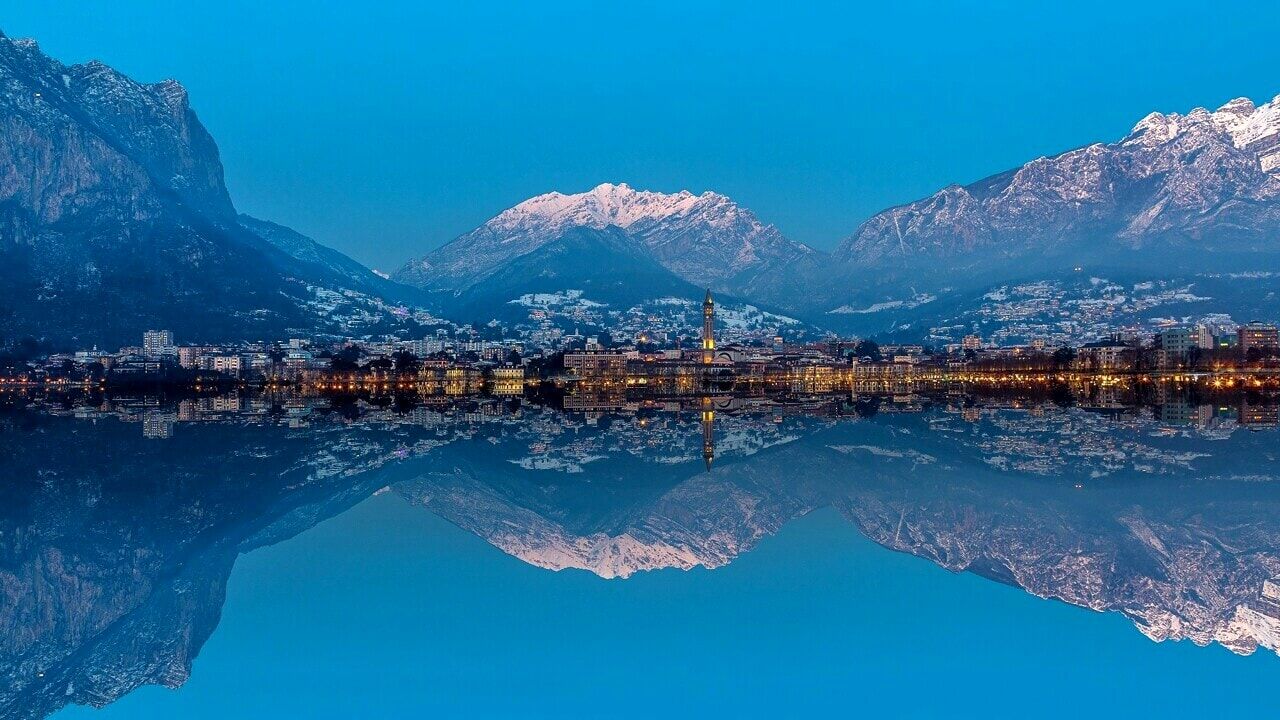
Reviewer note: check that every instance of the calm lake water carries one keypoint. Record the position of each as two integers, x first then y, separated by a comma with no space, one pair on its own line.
915,555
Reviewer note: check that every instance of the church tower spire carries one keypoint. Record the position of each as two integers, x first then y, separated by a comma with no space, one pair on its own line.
708,329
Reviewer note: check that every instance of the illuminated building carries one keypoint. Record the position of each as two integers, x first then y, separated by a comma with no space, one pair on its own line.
156,343
462,380
1203,337
708,329
230,364
507,380
596,364
1255,414
1104,356
1258,335
189,357
1173,347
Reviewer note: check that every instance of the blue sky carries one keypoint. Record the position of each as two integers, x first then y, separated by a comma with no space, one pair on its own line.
386,131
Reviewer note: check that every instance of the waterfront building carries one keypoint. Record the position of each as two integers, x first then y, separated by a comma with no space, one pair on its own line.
891,350
1106,355
1258,414
189,356
229,364
1174,346
596,364
1203,337
1263,336
156,343
462,380
507,380
1177,341
135,366
84,357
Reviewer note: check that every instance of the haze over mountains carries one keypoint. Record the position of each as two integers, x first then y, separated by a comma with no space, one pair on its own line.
114,217
1176,197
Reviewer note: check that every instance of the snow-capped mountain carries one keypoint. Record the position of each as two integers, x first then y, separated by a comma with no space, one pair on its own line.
1179,195
114,218
1181,200
1210,180
706,240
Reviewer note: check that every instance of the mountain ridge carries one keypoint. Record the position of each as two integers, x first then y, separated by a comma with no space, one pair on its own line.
1172,174
115,218
706,239
1180,200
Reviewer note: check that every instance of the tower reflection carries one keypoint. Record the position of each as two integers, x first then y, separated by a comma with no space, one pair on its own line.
708,431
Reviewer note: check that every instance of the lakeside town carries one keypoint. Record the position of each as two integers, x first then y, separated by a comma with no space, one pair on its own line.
1205,407
461,363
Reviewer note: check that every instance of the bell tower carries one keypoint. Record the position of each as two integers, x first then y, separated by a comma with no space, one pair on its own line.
708,329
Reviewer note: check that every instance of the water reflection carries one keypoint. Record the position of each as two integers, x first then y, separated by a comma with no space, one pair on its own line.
122,517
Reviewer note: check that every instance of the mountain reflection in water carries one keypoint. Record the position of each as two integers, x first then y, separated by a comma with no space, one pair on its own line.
121,518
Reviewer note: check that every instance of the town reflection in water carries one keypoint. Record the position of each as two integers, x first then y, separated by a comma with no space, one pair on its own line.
122,517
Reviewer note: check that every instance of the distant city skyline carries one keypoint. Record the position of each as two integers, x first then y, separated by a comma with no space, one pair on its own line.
386,132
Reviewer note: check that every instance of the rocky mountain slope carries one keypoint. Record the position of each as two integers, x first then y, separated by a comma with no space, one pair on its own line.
1208,178
114,218
705,240
1179,196
604,264
301,257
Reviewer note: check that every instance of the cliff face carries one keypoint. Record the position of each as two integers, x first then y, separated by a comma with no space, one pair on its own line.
113,214
85,138
114,218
